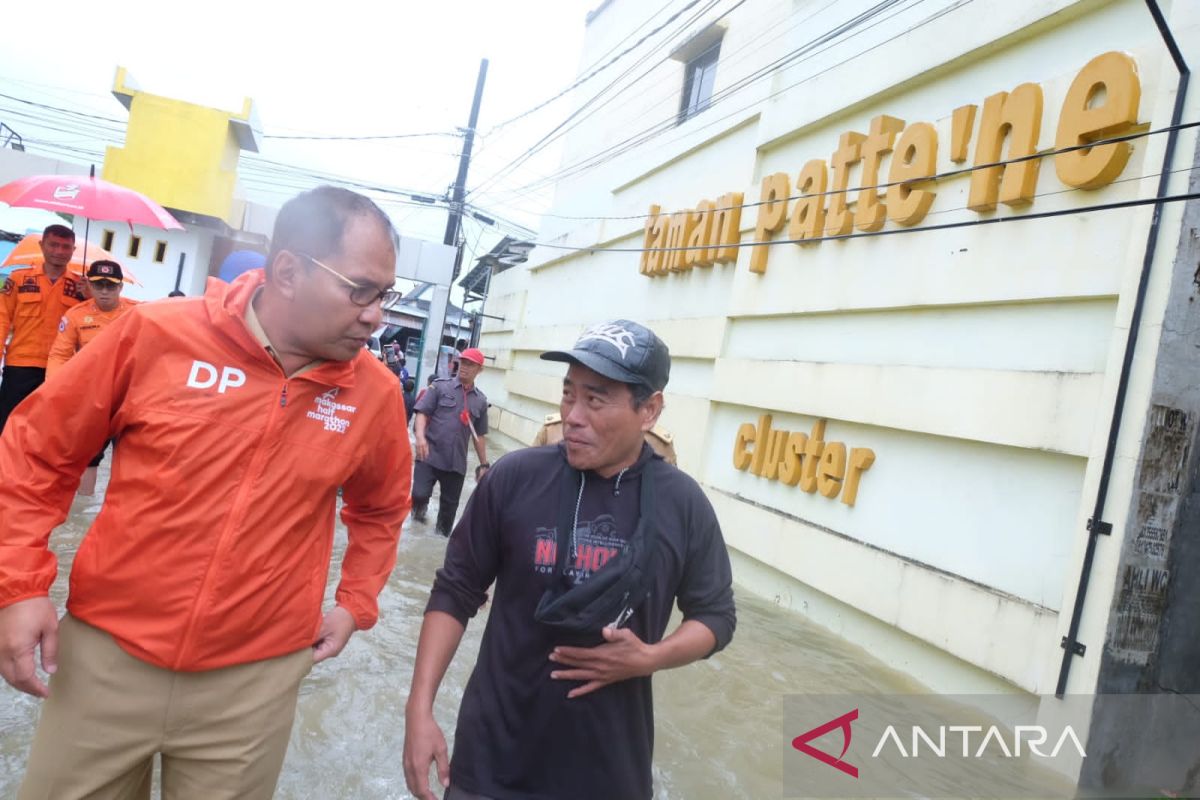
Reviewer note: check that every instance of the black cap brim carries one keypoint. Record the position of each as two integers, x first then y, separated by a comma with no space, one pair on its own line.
595,363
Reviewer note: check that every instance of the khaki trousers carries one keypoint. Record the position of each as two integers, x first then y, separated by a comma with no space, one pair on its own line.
221,734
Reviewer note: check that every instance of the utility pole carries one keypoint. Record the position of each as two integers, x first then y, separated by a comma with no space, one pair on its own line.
440,303
459,191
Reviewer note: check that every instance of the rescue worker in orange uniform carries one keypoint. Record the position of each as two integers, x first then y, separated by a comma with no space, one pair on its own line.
82,324
32,302
195,604
85,321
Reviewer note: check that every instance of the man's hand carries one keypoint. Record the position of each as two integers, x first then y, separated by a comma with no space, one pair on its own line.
424,743
336,628
481,470
422,449
622,656
24,626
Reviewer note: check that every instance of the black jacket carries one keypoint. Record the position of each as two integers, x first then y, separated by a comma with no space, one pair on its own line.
518,735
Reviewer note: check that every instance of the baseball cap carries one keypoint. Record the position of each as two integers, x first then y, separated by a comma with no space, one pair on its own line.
472,354
105,270
622,350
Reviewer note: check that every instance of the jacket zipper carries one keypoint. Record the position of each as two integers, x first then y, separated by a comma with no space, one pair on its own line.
234,515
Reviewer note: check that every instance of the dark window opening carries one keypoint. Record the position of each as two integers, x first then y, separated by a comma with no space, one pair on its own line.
699,77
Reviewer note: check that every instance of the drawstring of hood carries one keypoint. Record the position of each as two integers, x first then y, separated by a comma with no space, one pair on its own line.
617,488
575,523
579,502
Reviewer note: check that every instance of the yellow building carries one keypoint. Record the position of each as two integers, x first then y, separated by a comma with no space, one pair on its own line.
183,155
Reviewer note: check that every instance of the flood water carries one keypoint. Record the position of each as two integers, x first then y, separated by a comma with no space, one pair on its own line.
719,721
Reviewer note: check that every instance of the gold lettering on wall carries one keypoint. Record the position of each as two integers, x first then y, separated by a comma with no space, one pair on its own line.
1102,102
699,237
1016,117
799,459
1081,122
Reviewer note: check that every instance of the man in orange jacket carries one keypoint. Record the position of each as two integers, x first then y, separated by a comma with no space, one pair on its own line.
82,324
85,321
32,302
195,606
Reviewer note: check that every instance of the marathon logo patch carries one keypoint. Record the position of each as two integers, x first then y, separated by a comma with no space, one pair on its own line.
326,410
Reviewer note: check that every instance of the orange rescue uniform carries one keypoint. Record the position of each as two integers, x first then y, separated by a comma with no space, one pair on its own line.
214,541
31,308
79,326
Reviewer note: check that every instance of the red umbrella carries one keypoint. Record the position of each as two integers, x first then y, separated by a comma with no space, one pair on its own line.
88,197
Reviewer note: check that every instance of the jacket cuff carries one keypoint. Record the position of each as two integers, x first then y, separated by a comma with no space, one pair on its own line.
5,602
364,619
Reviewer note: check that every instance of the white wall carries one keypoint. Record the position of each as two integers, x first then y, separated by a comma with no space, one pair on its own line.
156,280
978,363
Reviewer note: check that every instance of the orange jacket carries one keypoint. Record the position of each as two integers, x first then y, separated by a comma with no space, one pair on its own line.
79,326
30,308
213,544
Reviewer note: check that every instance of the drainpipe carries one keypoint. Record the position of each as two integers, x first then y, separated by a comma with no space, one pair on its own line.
1096,525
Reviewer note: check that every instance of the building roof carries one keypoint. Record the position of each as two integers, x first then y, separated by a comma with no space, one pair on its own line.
507,253
415,307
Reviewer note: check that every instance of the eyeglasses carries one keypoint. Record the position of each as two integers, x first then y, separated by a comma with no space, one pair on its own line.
360,295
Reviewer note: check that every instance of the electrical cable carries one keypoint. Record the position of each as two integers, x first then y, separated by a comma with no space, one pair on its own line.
542,142
740,83
594,72
643,137
916,182
1061,212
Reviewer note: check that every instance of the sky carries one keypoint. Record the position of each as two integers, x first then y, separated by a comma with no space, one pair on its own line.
352,68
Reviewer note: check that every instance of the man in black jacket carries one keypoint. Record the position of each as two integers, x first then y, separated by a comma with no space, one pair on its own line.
559,704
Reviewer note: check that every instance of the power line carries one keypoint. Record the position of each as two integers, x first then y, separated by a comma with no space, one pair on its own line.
255,171
938,176
731,58
593,73
108,136
896,231
607,52
591,66
643,137
279,178
48,124
755,43
376,137
61,110
549,136
356,138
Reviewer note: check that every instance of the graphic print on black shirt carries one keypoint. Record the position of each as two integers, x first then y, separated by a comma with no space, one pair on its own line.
596,543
